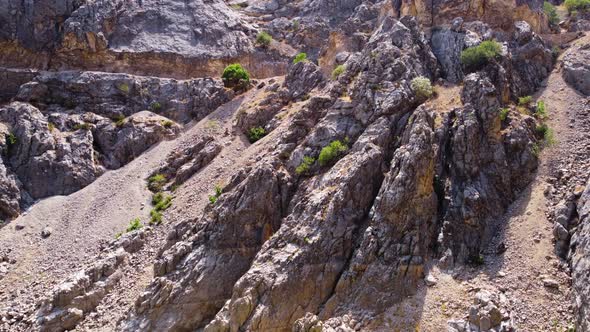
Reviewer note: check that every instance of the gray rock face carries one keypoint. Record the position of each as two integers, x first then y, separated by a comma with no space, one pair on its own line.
86,122
11,81
580,262
47,164
447,46
489,312
350,235
576,68
71,300
249,214
113,95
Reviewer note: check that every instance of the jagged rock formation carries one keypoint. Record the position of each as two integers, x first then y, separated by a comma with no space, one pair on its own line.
87,122
71,300
301,237
499,14
576,68
348,238
580,261
143,37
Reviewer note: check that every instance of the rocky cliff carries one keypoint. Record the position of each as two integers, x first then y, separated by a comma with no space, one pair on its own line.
327,193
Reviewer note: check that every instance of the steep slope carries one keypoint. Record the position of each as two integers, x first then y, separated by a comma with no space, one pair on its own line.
300,203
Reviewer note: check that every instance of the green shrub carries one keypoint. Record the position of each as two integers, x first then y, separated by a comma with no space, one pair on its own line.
300,57
577,5
305,165
475,57
332,152
155,217
525,101
164,203
339,70
119,120
504,113
236,77
134,225
84,126
422,87
263,39
541,110
11,140
255,134
551,13
156,182
546,133
155,106
157,198
477,260
167,123
124,87
218,192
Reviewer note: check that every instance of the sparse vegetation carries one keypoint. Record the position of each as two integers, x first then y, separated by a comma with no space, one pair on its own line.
84,126
504,113
236,77
263,39
160,202
305,165
218,192
119,120
156,182
333,151
134,225
477,260
296,25
541,110
11,139
577,5
475,57
50,126
255,134
422,87
339,70
167,123
124,87
546,133
525,101
155,106
551,13
300,57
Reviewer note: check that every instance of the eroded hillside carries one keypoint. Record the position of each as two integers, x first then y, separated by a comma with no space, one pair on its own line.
387,165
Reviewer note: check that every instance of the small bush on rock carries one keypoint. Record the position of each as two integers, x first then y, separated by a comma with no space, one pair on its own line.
134,225
333,151
577,5
236,77
218,192
155,106
475,57
551,13
541,110
504,113
339,70
167,123
156,182
305,165
255,134
263,39
422,87
300,57
525,101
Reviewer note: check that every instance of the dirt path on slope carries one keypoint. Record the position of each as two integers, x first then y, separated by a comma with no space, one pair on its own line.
85,221
529,260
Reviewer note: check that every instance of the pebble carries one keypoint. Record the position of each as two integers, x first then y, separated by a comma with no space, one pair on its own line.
46,232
